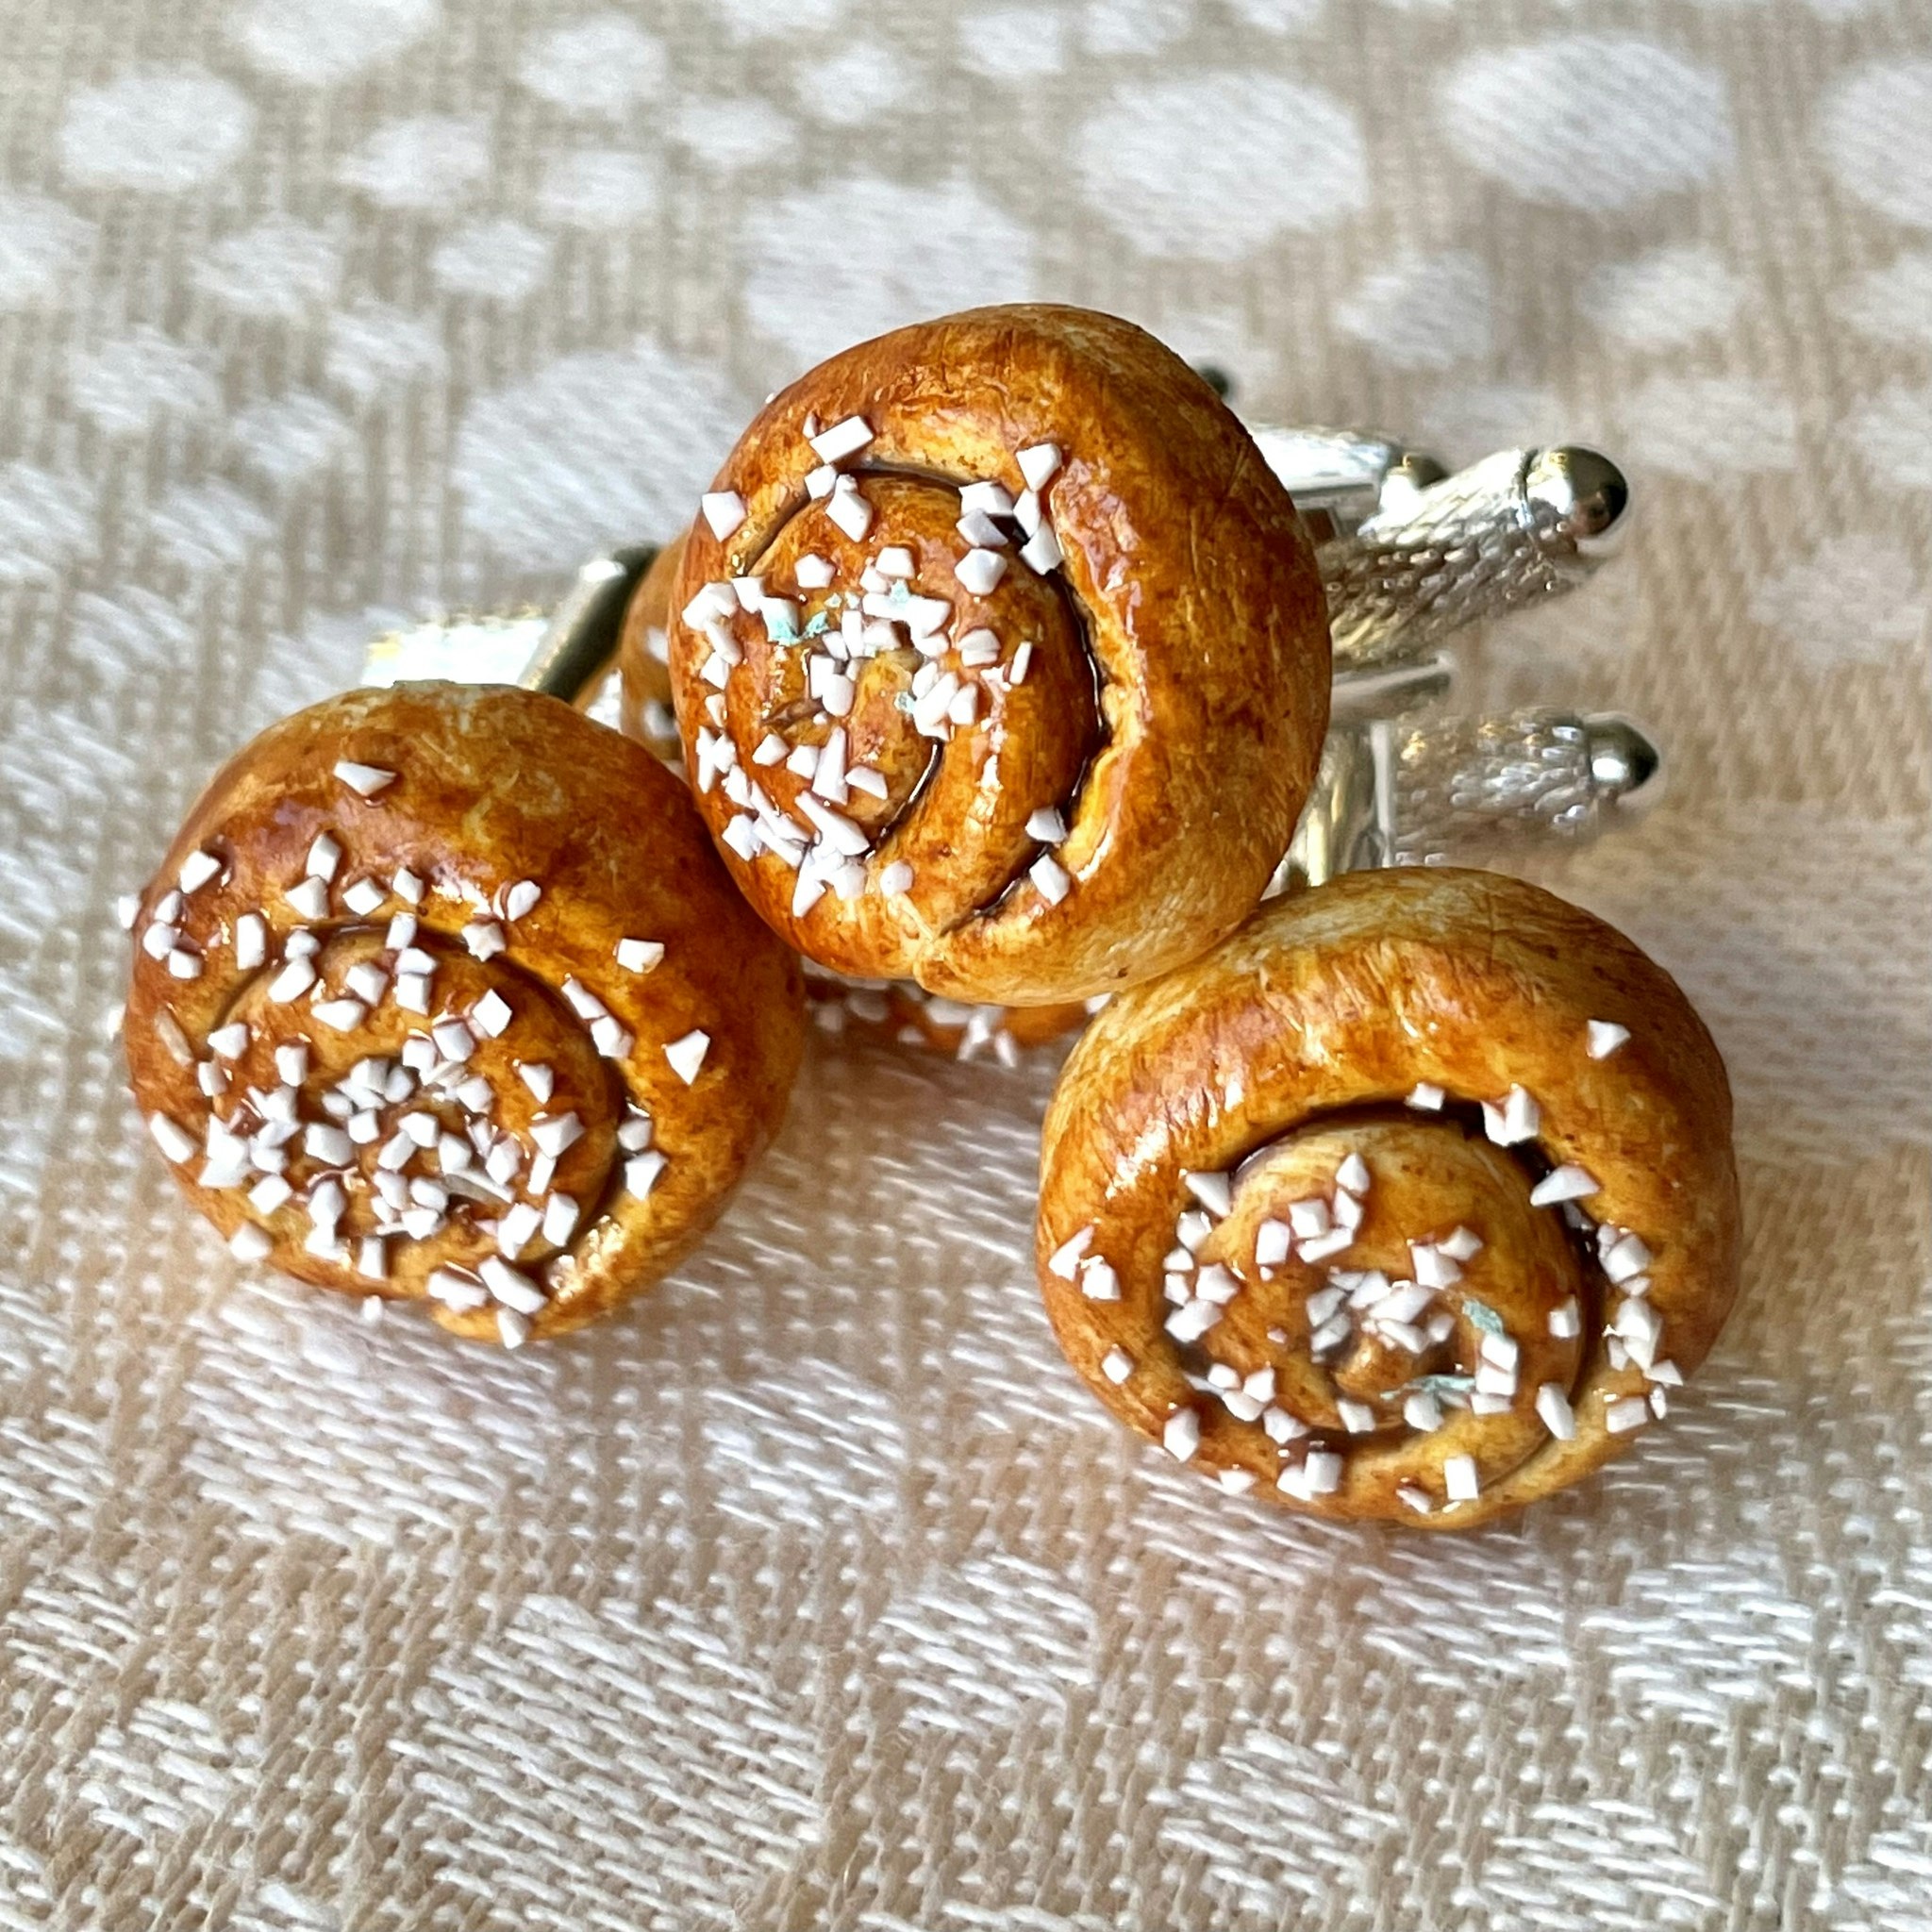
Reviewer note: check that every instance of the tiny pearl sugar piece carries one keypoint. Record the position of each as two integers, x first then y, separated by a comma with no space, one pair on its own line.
520,899
1212,1191
363,897
1605,1037
512,1330
1117,1365
1626,1413
1627,1258
1050,879
1039,463
896,877
1566,1323
1098,1282
197,868
490,1014
251,940
1514,1119
723,510
1047,826
813,572
230,1041
309,897
849,511
1182,1435
325,855
1065,1259
250,1242
638,955
841,439
1411,1498
1553,1405
1042,550
978,570
1425,1097
1562,1184
688,1054
175,1143
365,781
1460,1483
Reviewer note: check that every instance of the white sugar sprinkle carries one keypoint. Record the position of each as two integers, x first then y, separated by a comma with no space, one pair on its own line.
1425,1097
723,510
1562,1184
1605,1037
250,1242
406,886
363,897
197,868
539,1079
687,1054
175,1143
1629,1412
815,573
978,570
1358,1418
230,1041
1037,463
1629,1256
849,511
554,1133
1047,826
1553,1405
490,1014
293,981
1098,1282
1117,1365
1460,1483
1065,1259
641,1173
364,780
638,955
1566,1323
1273,1242
344,1016
1050,879
309,897
1042,550
841,440
1181,1436
1213,1190
520,899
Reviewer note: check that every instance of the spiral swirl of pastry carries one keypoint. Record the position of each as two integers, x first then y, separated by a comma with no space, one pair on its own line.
1411,1200
1000,659
441,991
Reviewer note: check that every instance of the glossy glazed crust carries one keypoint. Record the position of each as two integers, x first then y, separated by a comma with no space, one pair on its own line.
1344,999
643,671
494,786
1190,575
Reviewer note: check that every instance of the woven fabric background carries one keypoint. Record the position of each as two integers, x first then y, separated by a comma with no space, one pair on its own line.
815,1592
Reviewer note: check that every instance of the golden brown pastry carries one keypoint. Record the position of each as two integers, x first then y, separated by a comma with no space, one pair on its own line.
441,991
644,666
1001,659
1412,1200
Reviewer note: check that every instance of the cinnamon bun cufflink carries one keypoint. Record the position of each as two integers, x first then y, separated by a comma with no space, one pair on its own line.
1413,1200
1000,659
441,992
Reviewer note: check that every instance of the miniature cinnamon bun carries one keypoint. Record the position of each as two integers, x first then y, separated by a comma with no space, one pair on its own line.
1001,659
1414,1199
442,992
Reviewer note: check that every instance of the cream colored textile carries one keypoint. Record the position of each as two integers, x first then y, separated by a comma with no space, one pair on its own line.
815,1592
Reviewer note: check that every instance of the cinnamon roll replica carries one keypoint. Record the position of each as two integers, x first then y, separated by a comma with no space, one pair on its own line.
442,992
1412,1200
1000,659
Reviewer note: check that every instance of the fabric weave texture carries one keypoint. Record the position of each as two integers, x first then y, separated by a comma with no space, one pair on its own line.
814,1592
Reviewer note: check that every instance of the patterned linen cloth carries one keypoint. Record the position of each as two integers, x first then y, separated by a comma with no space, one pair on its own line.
815,1592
